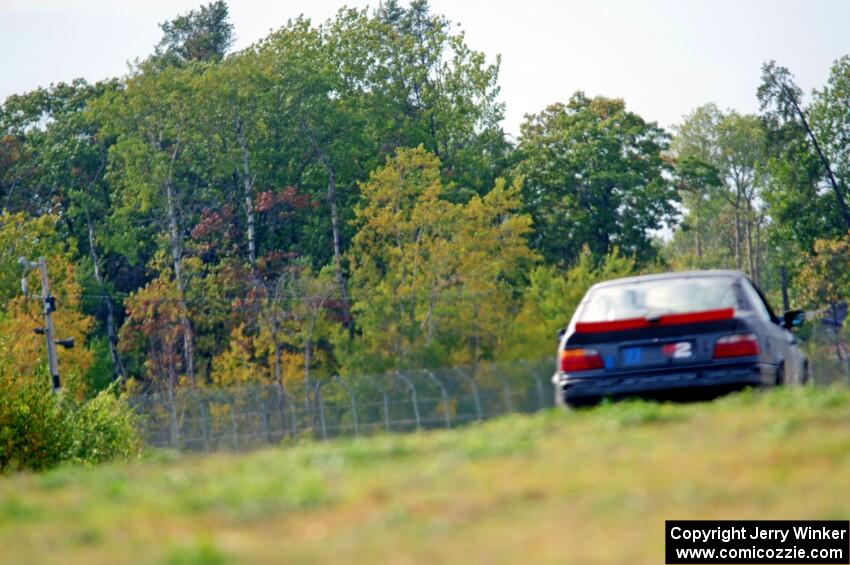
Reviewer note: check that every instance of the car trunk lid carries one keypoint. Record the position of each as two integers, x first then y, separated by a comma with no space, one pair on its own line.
671,340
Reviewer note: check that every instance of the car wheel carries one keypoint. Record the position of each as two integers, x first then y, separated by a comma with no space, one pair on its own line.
780,374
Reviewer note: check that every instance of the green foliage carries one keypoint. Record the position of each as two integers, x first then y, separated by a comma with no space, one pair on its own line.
551,298
432,280
593,174
100,374
810,140
200,35
39,429
717,158
227,217
23,236
830,117
200,552
103,428
34,429
825,279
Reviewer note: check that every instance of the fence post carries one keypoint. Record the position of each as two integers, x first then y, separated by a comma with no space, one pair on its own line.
412,396
445,398
261,397
353,402
474,387
321,409
283,409
386,401
205,424
506,389
233,427
537,384
172,420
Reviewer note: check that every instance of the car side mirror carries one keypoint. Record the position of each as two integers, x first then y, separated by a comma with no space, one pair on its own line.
793,319
561,333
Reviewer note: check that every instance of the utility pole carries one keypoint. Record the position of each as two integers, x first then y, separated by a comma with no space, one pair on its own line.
783,275
48,303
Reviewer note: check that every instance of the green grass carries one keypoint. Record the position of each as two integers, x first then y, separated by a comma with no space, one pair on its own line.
592,486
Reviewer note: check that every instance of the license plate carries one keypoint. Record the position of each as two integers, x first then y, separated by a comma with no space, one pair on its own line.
656,354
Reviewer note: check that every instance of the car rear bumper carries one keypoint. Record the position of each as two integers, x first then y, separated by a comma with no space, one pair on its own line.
591,389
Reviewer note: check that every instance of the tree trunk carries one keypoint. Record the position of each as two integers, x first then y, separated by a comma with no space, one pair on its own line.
340,277
750,251
697,230
248,185
337,246
737,237
112,337
308,357
172,381
177,258
278,351
835,333
758,251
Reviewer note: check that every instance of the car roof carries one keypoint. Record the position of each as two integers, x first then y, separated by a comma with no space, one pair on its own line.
673,275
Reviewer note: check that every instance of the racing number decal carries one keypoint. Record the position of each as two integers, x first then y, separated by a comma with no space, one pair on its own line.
681,350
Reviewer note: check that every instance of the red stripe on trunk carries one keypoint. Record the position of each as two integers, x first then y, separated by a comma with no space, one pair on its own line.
666,320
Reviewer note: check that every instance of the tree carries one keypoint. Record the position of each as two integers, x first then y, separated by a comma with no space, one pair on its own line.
153,329
800,211
594,175
432,280
733,144
61,167
804,175
830,123
418,82
293,305
698,183
781,98
234,117
150,165
328,124
204,34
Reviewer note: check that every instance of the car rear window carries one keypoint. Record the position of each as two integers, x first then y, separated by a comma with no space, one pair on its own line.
659,297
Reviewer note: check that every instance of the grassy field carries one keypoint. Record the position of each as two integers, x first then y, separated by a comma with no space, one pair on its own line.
586,487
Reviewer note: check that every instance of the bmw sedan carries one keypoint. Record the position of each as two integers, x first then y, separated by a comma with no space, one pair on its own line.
663,335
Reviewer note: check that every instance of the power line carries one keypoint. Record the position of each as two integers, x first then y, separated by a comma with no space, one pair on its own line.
360,296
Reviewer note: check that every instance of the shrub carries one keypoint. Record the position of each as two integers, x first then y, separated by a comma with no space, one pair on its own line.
39,430
104,428
34,429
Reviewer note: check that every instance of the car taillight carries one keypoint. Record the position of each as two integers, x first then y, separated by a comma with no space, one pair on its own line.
736,345
580,359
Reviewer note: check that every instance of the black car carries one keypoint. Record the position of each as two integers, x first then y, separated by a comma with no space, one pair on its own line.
662,335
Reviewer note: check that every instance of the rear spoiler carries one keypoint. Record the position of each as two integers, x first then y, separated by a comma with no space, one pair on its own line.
666,320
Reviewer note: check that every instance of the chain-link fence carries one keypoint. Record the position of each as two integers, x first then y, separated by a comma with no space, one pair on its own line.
828,353
209,419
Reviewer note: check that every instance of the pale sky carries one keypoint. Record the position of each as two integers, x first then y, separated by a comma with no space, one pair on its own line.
664,57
